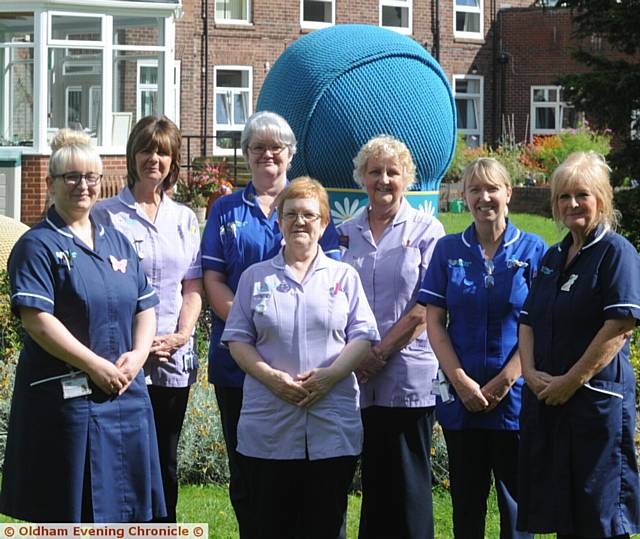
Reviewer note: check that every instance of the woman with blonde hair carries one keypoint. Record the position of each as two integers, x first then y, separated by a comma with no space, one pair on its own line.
81,445
578,468
390,245
474,288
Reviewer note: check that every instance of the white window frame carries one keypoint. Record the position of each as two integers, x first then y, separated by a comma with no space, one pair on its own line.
224,20
8,89
67,91
479,131
315,24
151,62
75,43
397,3
469,9
92,91
230,126
558,106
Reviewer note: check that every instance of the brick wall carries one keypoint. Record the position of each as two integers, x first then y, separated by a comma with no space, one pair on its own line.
276,24
531,200
34,187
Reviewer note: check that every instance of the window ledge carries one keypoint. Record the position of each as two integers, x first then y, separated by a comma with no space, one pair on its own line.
234,25
469,40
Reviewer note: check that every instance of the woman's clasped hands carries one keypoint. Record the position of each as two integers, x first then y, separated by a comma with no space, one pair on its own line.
306,389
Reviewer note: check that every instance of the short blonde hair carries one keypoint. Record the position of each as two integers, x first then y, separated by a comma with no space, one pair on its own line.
486,169
590,169
69,145
387,146
306,187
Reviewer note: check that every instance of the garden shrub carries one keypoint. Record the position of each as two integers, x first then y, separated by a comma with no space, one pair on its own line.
628,204
10,345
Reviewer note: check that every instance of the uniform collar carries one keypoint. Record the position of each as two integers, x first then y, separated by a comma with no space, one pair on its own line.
321,261
126,197
594,237
511,236
362,219
58,224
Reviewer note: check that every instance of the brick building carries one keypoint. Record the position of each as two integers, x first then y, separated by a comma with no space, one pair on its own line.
101,65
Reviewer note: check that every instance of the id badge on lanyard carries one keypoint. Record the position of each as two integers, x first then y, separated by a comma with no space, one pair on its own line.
74,384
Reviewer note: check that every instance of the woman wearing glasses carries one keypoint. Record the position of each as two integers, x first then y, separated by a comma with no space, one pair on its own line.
474,288
166,237
299,326
81,445
243,229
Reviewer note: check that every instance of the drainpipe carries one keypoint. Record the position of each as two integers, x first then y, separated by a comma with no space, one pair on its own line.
495,111
204,79
435,29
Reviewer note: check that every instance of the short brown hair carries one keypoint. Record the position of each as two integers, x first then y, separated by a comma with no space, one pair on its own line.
306,187
150,134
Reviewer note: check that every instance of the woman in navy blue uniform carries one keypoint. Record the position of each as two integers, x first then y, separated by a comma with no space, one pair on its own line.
81,444
478,280
578,470
242,230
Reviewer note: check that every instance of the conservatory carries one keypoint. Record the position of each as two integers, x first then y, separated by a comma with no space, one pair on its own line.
92,65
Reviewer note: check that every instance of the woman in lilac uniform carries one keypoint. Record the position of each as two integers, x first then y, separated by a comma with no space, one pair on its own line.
242,230
166,237
578,468
390,244
81,445
299,326
474,287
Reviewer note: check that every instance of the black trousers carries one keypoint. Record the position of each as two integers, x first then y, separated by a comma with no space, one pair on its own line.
298,499
230,403
396,473
169,408
474,454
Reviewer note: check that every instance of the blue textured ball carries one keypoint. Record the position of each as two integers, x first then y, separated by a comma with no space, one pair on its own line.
340,86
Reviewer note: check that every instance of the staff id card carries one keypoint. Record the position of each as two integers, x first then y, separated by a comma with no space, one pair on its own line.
75,386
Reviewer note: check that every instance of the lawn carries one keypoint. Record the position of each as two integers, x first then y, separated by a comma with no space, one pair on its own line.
544,227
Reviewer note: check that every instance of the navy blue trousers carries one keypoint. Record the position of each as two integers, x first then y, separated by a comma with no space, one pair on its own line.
474,454
229,404
396,473
169,408
298,499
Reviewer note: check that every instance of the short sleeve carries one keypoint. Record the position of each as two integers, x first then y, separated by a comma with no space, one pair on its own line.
619,276
239,326
31,276
212,249
361,323
329,242
534,258
434,285
194,271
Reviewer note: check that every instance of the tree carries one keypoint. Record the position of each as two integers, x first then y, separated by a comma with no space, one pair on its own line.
609,93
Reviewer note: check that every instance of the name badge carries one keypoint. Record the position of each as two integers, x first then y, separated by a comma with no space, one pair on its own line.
76,386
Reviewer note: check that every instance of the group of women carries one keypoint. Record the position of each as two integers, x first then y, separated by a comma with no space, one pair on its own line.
521,356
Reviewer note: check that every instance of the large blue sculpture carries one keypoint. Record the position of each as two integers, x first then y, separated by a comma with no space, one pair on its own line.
340,86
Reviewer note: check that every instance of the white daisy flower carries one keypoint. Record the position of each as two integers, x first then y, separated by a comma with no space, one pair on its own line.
346,210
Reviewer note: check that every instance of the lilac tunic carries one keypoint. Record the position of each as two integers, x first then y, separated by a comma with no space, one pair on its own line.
296,327
170,252
391,271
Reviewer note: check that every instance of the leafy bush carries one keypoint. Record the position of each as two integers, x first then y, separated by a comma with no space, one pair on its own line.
628,203
202,455
10,345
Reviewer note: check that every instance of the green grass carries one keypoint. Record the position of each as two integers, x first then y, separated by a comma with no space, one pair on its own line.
544,227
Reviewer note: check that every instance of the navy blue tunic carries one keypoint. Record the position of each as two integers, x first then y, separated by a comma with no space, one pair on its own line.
483,320
57,447
578,471
238,235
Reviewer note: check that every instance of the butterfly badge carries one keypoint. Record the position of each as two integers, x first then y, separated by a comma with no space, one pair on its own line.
118,265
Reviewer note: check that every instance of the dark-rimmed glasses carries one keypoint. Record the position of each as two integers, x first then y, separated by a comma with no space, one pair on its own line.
74,178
